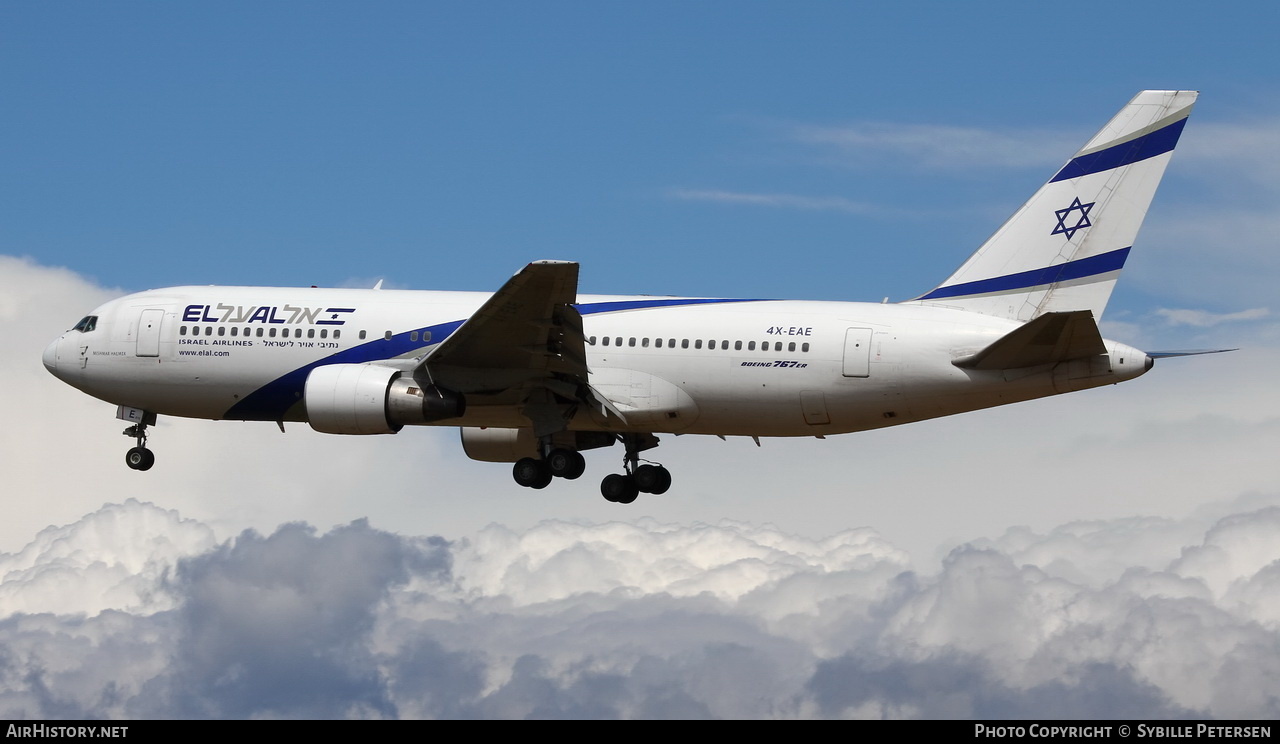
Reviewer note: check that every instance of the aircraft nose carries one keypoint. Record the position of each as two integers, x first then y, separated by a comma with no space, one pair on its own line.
50,357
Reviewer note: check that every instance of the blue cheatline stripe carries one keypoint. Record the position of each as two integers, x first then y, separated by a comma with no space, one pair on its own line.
591,308
1147,146
1085,267
271,401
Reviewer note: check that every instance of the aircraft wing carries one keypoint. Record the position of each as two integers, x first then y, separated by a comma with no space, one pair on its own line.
525,342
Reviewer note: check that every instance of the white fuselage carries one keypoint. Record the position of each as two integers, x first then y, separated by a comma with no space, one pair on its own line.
680,365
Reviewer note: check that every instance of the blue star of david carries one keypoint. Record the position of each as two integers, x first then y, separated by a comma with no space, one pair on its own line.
1081,223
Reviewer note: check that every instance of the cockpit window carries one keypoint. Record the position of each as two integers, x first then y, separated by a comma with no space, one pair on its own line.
86,324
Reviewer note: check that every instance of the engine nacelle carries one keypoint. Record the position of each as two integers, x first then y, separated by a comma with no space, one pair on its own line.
495,444
372,399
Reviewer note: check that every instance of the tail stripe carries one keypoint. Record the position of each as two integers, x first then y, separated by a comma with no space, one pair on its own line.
1147,146
1026,280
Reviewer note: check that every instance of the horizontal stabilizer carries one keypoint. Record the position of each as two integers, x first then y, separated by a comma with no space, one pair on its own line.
1050,338
1189,352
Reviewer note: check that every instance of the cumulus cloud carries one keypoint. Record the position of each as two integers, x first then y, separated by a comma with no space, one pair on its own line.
113,558
167,606
647,620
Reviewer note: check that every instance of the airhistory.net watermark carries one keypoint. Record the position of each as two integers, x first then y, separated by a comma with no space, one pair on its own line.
44,731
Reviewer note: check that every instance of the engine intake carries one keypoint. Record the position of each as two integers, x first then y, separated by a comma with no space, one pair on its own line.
372,399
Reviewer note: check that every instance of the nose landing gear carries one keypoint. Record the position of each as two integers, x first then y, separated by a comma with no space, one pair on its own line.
139,457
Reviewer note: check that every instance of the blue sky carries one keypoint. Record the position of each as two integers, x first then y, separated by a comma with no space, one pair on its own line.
443,146
1114,552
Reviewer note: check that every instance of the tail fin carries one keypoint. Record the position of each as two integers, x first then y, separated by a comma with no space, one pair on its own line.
1063,250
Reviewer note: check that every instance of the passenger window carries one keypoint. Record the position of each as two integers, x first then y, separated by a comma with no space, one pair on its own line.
259,333
617,341
657,343
271,333
413,336
631,341
324,332
208,330
777,346
684,343
182,330
311,332
805,346
222,330
387,336
606,340
591,341
644,342
363,334
336,333
791,346
737,346
697,343
724,345
671,342
751,346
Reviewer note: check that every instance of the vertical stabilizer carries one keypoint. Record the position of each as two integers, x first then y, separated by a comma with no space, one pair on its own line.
1063,249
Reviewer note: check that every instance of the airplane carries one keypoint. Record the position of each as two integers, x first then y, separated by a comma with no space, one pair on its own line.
535,374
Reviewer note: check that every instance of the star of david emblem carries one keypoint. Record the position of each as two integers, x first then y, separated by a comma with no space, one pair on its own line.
1064,214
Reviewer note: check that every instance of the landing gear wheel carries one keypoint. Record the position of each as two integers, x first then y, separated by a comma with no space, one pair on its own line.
566,463
140,458
531,473
653,479
620,489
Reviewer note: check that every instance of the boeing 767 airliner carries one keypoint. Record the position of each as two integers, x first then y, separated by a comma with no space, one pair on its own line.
536,373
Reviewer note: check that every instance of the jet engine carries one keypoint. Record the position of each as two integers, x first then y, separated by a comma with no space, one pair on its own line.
372,399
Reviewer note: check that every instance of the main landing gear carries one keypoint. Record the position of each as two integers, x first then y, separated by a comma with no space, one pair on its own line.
139,457
623,488
620,488
564,463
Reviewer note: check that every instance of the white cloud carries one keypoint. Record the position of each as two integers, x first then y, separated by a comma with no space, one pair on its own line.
113,558
793,201
362,623
1117,583
1243,150
1206,319
939,146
